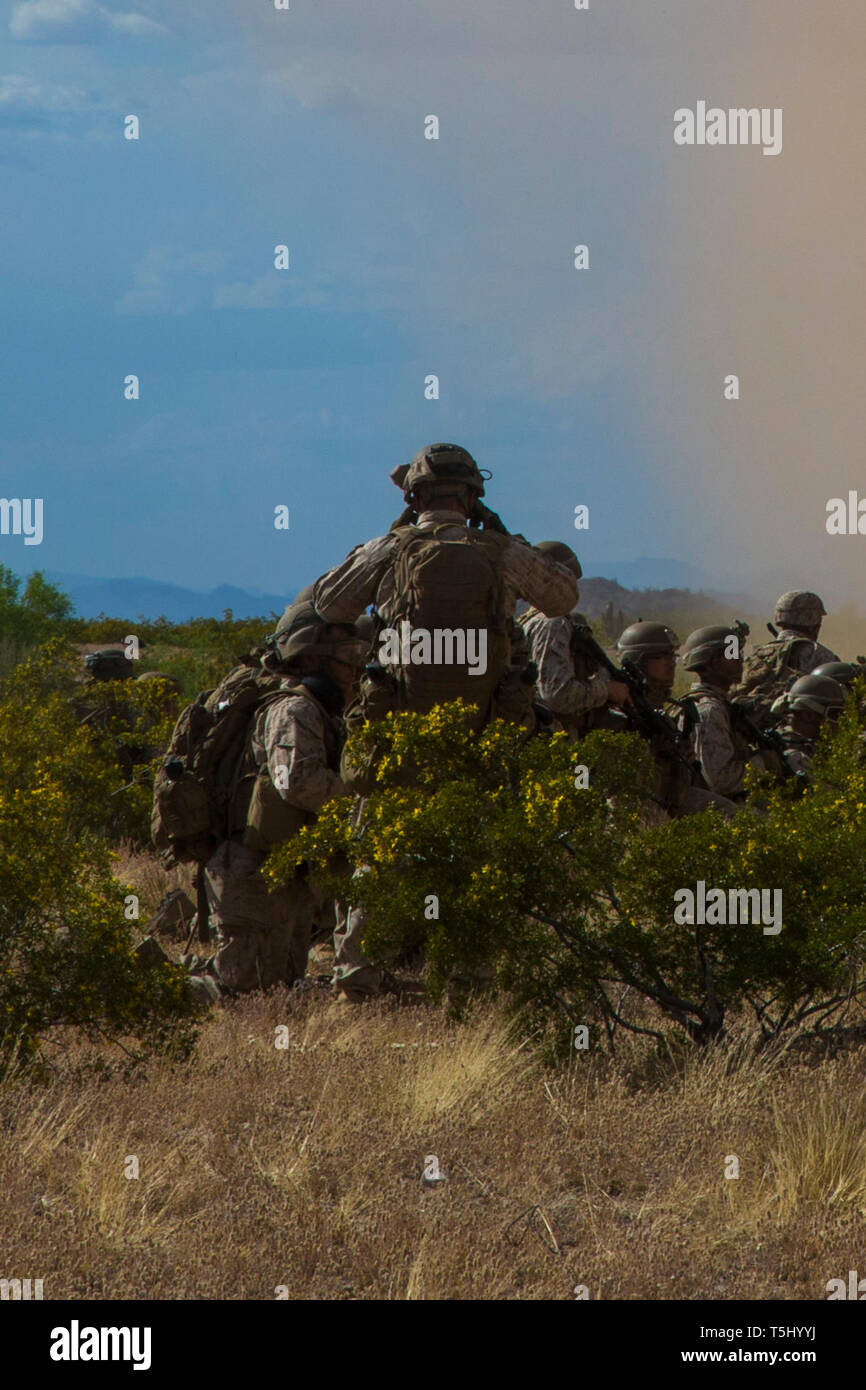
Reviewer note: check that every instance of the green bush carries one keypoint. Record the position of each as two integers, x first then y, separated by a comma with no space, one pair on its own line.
27,617
65,939
569,896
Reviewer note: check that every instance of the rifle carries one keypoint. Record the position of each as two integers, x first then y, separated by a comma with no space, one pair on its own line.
768,740
641,714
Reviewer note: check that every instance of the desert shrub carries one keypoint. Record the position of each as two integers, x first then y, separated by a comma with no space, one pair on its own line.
197,653
105,739
481,849
65,940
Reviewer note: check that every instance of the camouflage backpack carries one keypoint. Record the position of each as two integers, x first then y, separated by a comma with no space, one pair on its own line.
202,791
451,586
768,673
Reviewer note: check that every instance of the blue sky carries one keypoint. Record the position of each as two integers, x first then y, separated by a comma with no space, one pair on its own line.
408,257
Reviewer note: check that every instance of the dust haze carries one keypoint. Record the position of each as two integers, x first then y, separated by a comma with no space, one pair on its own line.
725,261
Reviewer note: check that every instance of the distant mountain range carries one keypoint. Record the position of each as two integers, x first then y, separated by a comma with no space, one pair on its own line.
141,598
152,598
646,573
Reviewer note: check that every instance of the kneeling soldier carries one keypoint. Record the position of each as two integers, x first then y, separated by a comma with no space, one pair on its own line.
651,649
712,722
805,708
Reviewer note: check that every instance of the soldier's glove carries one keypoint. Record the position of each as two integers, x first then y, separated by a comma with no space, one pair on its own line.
483,516
407,517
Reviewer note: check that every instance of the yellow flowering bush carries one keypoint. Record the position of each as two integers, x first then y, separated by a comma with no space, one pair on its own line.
480,849
64,938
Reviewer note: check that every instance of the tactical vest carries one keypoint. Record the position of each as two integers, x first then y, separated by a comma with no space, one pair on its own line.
444,585
768,673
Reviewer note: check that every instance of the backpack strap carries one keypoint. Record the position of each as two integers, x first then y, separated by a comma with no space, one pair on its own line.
688,718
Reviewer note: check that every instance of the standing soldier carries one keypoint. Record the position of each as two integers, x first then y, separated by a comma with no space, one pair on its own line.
711,721
569,683
449,566
794,651
290,768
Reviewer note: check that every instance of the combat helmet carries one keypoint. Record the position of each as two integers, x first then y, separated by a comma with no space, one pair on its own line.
799,608
821,694
845,672
558,550
647,639
301,630
109,664
440,466
705,643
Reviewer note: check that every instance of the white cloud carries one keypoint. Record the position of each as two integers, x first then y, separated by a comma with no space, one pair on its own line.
275,289
75,21
168,281
34,107
265,292
23,94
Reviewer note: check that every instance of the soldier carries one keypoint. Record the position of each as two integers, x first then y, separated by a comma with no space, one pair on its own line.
91,704
651,649
569,683
845,672
447,564
291,769
811,701
710,719
109,664
794,650
107,703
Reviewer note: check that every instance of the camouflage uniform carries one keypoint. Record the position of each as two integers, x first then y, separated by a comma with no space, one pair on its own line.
810,696
798,750
569,694
367,576
806,654
774,666
794,654
263,938
722,752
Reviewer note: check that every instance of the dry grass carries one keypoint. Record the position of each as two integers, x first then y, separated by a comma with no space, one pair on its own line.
143,873
261,1167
